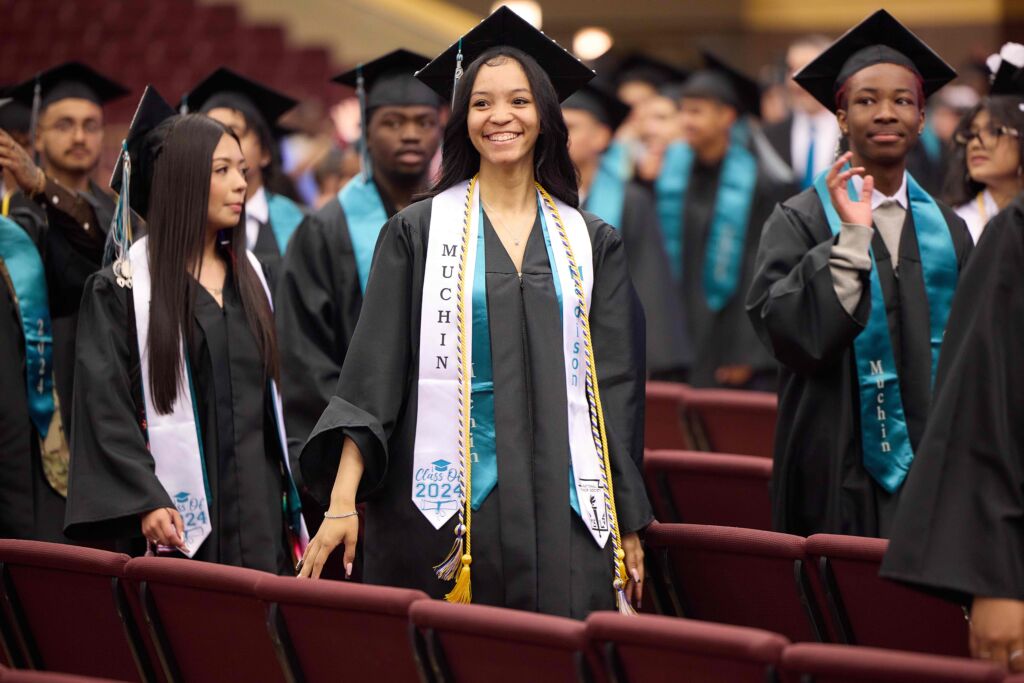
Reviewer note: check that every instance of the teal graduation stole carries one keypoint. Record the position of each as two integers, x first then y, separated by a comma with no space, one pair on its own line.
723,258
366,217
29,279
607,195
482,429
885,442
285,216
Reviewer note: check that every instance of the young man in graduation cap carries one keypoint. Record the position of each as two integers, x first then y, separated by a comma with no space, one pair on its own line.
50,242
251,110
713,196
852,291
592,114
325,271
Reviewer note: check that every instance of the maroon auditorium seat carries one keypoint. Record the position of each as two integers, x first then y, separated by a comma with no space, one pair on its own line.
207,620
470,643
710,488
730,421
68,604
816,663
744,577
872,611
663,421
16,676
645,648
322,623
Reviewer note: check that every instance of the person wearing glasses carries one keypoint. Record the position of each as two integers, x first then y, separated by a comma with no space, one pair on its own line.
986,173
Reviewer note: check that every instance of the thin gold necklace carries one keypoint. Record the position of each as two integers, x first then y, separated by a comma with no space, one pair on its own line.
504,228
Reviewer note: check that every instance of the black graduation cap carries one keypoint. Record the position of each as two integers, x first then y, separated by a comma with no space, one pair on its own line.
145,139
505,27
879,39
599,100
390,81
640,67
721,81
15,117
70,79
226,88
1008,80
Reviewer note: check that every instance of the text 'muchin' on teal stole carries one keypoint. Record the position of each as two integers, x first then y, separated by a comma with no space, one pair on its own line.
885,441
366,216
723,257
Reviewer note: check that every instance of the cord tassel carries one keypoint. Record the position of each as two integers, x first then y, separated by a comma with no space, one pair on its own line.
621,599
450,565
462,591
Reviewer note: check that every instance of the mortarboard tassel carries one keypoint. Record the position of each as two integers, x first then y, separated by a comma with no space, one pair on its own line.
458,72
33,124
119,240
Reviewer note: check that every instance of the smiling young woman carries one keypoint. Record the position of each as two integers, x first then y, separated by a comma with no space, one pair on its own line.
490,405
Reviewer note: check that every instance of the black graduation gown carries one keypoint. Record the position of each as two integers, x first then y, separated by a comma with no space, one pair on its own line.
112,480
780,135
530,550
668,349
724,337
960,527
819,483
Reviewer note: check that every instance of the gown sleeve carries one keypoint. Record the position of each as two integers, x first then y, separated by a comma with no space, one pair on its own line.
375,378
792,302
112,478
617,332
959,530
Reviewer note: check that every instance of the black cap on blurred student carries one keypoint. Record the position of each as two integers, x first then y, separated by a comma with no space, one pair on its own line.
227,89
390,81
1007,77
66,81
598,100
504,27
145,139
655,72
879,39
723,82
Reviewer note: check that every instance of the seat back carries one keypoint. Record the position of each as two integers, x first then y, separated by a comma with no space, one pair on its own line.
817,663
21,676
663,421
65,604
710,488
323,623
744,577
731,421
644,648
206,620
875,612
469,643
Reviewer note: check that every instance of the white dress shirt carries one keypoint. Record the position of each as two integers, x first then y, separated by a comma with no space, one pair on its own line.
977,216
826,135
257,212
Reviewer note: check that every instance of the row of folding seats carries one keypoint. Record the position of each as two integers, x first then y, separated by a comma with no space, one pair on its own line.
718,420
19,676
70,609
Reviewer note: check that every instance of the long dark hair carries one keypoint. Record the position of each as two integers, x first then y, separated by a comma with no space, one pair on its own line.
552,167
1003,110
177,220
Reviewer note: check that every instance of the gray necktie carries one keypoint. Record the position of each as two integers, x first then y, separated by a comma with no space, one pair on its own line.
889,218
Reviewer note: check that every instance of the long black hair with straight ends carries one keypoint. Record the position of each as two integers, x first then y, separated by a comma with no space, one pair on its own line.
177,225
1003,110
552,167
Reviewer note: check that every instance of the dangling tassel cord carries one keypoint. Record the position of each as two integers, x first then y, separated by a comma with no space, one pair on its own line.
458,76
119,239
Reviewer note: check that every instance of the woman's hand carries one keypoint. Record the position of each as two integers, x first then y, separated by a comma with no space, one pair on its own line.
165,527
332,533
857,212
997,631
634,568
15,159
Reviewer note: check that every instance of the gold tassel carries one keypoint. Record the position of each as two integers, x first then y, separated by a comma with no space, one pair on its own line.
462,592
623,601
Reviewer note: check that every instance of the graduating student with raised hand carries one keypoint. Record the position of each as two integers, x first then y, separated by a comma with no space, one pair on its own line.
493,392
852,291
325,271
178,440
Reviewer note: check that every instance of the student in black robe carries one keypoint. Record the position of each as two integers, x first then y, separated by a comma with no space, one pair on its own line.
958,530
251,110
846,436
592,115
532,551
210,336
324,273
713,195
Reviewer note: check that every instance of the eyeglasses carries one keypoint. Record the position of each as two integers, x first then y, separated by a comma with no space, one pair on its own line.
988,137
68,126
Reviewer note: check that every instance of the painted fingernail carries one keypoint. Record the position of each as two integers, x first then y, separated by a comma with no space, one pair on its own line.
348,570
635,574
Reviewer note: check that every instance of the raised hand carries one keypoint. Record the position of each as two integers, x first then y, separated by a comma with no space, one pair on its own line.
858,212
17,161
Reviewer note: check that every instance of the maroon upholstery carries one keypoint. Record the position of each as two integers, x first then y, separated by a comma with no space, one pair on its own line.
327,622
816,663
710,488
731,421
644,648
67,604
13,676
663,421
744,577
875,612
213,623
477,643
